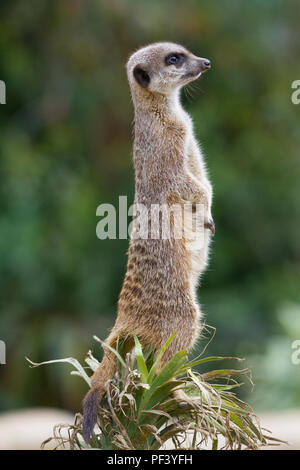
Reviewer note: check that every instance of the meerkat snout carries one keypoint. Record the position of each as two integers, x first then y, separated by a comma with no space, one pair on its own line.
205,64
196,70
164,68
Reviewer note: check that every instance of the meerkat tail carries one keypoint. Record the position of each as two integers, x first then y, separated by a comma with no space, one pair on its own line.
93,398
90,406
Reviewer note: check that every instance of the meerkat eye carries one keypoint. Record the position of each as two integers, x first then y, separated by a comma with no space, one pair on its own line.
175,59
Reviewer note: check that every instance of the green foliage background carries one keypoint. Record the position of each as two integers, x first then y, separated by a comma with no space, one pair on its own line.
65,148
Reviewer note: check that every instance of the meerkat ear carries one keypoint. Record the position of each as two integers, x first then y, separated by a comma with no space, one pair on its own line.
141,76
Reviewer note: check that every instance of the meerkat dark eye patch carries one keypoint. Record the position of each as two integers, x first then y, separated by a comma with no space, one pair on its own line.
141,76
175,59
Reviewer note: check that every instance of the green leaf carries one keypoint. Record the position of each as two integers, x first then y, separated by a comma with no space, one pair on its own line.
229,407
160,394
215,444
166,374
170,370
222,387
104,345
141,361
92,362
159,357
223,373
195,363
70,360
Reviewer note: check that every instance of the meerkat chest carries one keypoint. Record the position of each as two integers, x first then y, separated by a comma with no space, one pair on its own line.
185,120
183,117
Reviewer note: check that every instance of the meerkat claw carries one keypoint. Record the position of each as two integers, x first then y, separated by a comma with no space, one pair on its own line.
211,226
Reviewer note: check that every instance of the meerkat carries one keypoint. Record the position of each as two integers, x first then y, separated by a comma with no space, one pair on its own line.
158,296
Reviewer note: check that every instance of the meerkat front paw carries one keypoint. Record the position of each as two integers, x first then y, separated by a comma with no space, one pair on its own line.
207,201
203,198
195,192
209,224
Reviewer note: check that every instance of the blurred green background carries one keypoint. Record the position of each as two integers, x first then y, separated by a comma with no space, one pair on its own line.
65,148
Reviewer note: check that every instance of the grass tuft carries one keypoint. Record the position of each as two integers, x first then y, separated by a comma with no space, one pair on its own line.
148,407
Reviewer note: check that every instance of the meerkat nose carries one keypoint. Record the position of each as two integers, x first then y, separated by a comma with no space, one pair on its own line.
206,63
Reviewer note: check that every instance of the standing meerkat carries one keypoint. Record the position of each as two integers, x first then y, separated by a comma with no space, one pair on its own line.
158,296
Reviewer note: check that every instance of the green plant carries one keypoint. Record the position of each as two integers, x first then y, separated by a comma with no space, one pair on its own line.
149,407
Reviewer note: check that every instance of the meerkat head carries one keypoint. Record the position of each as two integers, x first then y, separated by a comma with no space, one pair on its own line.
163,68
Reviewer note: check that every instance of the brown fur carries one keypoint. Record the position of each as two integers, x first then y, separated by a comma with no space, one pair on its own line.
158,296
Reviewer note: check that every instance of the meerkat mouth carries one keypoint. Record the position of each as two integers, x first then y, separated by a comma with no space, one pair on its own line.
205,65
192,75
